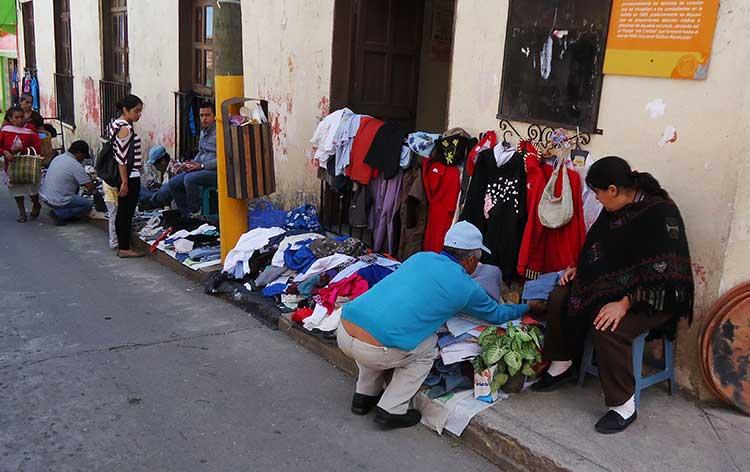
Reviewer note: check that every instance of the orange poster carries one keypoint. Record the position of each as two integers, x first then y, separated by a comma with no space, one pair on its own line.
661,38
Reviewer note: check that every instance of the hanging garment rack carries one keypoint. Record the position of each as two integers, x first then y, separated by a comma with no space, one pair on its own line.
540,136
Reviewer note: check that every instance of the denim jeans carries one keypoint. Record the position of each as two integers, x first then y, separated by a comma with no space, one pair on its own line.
77,207
185,190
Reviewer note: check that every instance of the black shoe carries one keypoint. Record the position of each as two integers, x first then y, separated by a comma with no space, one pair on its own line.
362,404
549,382
612,422
55,219
389,420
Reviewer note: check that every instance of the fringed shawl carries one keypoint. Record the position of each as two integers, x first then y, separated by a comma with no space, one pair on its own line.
640,251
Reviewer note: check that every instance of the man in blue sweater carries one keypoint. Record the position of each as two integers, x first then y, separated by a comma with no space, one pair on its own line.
393,325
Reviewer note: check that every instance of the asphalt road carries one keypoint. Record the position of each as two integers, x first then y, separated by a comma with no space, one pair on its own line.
122,365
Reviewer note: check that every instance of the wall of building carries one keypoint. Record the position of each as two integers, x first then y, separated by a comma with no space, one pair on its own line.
700,170
154,67
287,49
154,72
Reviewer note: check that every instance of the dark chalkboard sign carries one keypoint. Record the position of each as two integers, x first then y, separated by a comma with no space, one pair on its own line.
552,68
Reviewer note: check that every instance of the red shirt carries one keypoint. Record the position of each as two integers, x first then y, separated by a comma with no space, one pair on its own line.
358,171
28,138
442,185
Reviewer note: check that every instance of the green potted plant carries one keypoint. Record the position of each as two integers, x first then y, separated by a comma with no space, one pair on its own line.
514,352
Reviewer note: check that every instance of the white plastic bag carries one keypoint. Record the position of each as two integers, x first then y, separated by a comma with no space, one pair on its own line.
556,212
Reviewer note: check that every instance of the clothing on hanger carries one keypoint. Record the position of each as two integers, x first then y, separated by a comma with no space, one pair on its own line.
496,204
442,184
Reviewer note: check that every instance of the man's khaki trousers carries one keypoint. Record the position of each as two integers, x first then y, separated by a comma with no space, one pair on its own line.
410,368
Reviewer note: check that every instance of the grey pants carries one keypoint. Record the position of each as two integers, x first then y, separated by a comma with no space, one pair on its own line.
410,368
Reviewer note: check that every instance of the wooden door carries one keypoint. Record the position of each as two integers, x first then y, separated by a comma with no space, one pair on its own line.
383,51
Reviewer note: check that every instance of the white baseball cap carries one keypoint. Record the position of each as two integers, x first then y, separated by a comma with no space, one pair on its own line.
464,235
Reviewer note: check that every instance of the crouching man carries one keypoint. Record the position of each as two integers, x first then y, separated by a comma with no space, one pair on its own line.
391,328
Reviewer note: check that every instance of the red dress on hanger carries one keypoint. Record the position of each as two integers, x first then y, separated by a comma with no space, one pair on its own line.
543,249
442,185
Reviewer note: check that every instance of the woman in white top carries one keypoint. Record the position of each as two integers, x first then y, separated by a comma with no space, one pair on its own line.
127,152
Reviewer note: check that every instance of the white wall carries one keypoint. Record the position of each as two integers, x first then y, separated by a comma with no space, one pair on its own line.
154,71
87,67
287,49
154,67
700,170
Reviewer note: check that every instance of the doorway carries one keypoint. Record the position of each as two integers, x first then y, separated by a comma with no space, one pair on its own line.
392,60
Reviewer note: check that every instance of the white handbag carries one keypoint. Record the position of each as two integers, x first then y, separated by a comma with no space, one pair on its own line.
556,212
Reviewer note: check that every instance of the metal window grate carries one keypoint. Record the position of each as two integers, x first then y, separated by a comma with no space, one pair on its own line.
109,94
65,101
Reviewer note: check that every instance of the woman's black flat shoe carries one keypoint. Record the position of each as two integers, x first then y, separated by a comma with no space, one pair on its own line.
612,422
548,382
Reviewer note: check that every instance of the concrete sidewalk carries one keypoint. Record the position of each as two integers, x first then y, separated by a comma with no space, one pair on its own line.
555,431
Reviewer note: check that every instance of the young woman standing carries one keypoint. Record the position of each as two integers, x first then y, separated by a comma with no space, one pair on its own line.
127,152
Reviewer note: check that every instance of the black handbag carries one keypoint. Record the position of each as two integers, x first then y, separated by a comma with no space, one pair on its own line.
106,165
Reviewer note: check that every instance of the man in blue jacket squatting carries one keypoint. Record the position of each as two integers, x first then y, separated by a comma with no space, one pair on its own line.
393,325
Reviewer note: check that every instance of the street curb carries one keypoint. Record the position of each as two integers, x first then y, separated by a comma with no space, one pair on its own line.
501,449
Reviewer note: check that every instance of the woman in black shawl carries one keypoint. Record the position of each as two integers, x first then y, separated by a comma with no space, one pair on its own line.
633,276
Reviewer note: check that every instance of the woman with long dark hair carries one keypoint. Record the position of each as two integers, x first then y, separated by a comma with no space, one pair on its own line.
634,276
15,138
127,152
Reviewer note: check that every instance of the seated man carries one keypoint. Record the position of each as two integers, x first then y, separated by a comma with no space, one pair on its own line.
151,182
185,187
393,325
61,184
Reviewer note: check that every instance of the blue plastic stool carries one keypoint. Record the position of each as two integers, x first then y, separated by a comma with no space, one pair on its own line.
206,194
639,344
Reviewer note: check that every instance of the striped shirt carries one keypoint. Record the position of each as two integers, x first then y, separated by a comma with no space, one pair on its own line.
121,147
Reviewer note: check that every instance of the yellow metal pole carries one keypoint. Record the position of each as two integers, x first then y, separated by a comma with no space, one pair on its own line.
228,83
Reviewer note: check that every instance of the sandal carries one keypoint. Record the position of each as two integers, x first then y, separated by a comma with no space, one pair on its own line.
22,219
129,254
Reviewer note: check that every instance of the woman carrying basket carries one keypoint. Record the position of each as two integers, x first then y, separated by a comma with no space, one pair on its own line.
16,139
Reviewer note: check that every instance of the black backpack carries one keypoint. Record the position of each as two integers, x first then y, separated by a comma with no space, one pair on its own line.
107,167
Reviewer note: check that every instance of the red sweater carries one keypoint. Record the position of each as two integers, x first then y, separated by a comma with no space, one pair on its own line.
358,171
543,249
28,138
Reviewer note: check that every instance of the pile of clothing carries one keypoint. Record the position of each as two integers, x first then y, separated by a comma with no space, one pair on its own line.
192,241
303,270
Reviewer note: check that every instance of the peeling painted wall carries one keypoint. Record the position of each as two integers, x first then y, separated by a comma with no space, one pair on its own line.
154,67
154,72
287,49
700,170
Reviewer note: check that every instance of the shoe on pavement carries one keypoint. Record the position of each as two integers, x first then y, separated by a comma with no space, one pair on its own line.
390,421
129,254
612,422
549,383
57,221
362,404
